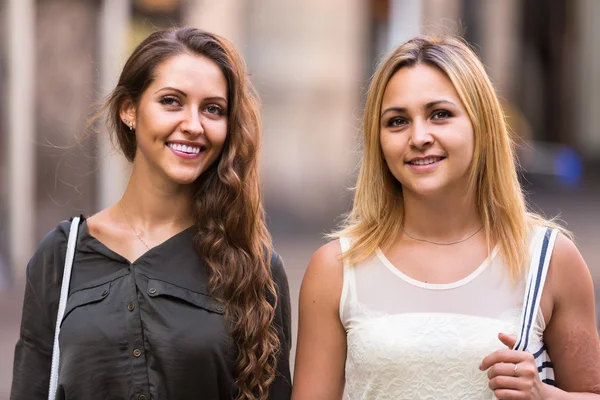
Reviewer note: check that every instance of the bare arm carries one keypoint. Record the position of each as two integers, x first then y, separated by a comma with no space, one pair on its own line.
571,335
321,348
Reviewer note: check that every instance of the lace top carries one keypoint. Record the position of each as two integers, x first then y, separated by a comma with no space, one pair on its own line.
408,339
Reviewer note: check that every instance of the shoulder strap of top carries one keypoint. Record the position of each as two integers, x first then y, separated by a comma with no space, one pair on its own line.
64,293
348,285
345,244
538,270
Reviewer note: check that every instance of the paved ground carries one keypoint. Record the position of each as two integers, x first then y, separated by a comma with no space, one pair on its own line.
580,209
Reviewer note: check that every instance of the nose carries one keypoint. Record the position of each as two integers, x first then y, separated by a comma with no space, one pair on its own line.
421,136
192,124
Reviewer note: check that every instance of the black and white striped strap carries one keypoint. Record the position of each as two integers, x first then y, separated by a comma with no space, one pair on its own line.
538,270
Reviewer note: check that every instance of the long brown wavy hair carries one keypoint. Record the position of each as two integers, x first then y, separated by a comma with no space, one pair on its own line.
231,233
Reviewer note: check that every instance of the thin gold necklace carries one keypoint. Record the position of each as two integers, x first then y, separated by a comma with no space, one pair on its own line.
443,244
131,226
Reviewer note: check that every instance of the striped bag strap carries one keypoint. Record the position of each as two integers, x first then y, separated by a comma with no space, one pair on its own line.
64,293
538,270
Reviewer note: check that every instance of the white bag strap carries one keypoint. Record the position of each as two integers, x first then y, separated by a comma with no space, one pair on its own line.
538,271
64,293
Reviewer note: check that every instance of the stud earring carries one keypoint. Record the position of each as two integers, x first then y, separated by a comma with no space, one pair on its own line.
128,123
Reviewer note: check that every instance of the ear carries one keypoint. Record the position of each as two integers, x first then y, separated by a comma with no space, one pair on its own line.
128,112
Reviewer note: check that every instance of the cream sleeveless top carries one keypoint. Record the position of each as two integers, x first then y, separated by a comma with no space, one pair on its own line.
408,339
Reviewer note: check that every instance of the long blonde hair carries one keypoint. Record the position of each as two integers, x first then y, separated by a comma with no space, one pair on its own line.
376,216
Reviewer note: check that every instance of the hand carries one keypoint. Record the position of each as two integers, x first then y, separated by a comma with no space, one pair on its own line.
513,374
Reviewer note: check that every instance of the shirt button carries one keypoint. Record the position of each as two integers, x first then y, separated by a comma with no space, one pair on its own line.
130,306
137,352
152,291
142,397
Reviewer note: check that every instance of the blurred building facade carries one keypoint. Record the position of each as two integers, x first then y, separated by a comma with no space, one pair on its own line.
311,61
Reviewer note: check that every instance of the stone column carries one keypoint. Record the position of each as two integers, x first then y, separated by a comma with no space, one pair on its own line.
21,131
587,70
307,59
223,17
405,21
441,17
65,90
113,34
501,23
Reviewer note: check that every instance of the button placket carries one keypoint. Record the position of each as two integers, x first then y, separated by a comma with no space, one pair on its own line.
135,306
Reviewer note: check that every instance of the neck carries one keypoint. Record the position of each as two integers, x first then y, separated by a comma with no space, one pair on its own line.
442,219
152,203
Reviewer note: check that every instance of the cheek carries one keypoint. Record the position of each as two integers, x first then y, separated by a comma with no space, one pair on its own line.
217,133
392,147
156,124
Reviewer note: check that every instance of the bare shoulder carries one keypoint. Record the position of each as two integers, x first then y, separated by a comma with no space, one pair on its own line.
324,275
568,273
326,262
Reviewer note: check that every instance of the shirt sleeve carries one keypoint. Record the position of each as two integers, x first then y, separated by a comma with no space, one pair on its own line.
33,351
281,389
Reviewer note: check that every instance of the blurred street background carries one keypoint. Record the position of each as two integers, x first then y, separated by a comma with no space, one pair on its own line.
311,61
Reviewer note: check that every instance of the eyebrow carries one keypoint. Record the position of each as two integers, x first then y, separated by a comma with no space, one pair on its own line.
181,92
428,106
184,94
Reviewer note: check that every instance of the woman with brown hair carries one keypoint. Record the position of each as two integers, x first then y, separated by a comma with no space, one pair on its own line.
440,262
175,292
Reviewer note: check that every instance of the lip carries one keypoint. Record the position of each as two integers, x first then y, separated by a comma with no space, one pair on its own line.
186,156
427,167
424,157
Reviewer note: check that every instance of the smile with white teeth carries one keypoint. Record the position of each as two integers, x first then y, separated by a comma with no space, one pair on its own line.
184,148
425,161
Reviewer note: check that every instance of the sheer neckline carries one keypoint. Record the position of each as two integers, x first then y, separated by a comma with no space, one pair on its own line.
437,286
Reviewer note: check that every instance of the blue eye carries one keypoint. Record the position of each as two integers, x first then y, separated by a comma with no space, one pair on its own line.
170,101
214,109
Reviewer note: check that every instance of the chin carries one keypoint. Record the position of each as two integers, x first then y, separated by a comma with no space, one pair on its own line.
426,189
184,178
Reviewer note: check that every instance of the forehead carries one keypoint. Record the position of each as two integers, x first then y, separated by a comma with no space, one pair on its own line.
191,73
419,84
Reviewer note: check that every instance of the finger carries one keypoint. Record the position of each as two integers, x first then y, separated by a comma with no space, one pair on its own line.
501,369
508,340
505,356
509,394
509,383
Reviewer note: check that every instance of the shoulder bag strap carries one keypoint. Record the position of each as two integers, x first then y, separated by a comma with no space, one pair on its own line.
538,271
64,293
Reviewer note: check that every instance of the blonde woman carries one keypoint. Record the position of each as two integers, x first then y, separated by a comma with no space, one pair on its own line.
427,292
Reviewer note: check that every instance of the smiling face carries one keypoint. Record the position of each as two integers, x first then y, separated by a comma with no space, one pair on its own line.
426,135
180,119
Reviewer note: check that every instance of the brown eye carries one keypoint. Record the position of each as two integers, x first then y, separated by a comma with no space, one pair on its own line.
396,122
441,114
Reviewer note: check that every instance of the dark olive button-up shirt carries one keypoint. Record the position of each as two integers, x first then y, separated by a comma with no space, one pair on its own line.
142,330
